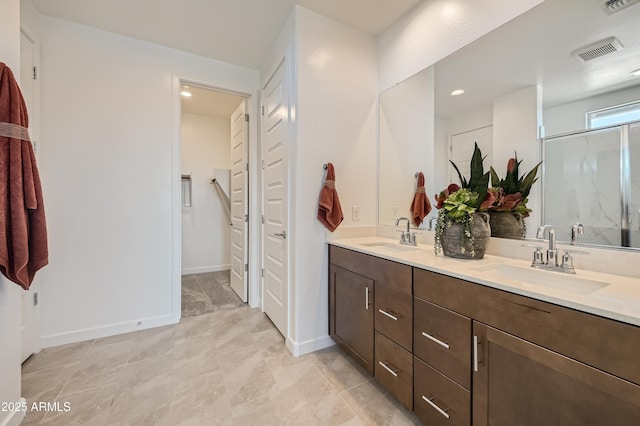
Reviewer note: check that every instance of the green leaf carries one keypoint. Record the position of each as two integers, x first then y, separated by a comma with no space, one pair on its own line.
477,170
528,181
463,181
495,180
481,188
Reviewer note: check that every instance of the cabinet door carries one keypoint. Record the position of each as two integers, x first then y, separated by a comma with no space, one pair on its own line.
351,314
519,383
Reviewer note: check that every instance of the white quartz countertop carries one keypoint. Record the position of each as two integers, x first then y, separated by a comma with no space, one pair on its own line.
607,295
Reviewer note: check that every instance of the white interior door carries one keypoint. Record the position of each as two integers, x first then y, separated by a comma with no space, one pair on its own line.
238,198
461,150
27,326
275,125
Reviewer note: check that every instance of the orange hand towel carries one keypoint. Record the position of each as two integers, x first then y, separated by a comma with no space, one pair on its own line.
23,230
329,210
421,206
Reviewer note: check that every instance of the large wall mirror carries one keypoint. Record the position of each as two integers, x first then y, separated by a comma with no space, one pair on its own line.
527,91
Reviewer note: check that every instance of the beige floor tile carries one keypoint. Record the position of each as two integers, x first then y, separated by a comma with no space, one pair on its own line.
340,370
85,408
152,343
155,417
57,357
245,375
374,406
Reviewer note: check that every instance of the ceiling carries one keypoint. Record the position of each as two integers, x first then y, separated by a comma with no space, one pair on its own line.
208,102
536,48
234,31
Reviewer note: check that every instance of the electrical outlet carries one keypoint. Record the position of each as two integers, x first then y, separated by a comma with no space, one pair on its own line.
355,213
394,212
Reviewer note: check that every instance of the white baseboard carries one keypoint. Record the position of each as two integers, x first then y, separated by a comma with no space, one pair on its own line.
308,346
13,418
203,269
108,330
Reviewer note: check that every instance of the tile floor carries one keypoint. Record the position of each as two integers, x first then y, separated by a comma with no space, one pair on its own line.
229,367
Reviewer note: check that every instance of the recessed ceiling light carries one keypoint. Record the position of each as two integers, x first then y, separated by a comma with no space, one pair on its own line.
185,94
635,72
457,92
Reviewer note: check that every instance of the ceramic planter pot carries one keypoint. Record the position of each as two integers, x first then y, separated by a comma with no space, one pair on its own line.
507,225
453,239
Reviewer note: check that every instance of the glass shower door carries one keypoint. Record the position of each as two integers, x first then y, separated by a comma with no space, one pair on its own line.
582,185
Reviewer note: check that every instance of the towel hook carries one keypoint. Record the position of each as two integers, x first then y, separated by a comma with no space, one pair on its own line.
416,175
324,166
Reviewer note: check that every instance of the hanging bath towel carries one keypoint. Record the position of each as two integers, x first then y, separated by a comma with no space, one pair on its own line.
421,206
23,230
329,210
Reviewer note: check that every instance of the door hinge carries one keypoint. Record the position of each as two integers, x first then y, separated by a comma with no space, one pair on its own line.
262,108
35,299
246,167
262,218
35,73
262,273
246,218
262,164
246,117
246,267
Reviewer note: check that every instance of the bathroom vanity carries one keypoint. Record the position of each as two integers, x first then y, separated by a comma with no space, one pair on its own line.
487,342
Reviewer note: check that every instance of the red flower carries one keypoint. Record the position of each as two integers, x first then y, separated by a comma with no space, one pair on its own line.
510,165
444,194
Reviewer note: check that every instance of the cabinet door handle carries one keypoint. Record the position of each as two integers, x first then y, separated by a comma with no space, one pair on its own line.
392,316
384,365
475,353
433,404
366,298
438,341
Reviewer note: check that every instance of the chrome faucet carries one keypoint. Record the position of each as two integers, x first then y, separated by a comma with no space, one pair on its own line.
552,252
552,262
407,237
576,229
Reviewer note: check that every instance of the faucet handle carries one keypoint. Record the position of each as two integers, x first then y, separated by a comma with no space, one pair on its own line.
581,252
536,246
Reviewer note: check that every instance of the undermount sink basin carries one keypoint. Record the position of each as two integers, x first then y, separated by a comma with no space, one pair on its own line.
391,246
530,277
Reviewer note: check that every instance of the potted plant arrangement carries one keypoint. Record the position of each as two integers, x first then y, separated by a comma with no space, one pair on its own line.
506,200
461,230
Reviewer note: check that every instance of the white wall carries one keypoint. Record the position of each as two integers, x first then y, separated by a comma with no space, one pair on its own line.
336,113
406,146
10,292
111,172
515,129
206,234
436,28
571,117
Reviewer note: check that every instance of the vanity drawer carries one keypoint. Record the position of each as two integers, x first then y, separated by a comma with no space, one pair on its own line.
393,274
442,338
394,315
394,369
437,399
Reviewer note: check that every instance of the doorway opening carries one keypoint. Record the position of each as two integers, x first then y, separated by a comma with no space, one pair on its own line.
214,199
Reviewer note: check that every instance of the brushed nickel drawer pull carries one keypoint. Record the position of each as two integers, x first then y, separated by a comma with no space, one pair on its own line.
475,353
384,365
440,410
383,312
438,341
366,298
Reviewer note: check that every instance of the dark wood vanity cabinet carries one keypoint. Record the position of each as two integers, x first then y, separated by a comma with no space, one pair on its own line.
351,314
371,316
478,355
520,383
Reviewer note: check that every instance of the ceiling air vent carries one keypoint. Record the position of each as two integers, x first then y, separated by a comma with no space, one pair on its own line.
597,49
613,6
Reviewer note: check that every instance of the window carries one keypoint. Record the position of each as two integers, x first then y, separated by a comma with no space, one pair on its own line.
614,115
